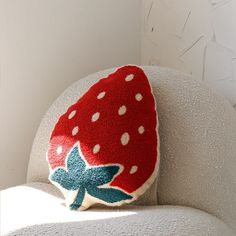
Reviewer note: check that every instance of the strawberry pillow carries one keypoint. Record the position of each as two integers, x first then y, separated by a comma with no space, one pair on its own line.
105,148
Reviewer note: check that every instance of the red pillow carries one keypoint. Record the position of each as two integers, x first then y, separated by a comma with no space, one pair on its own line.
104,149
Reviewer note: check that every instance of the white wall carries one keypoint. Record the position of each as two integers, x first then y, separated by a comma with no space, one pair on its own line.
194,36
45,46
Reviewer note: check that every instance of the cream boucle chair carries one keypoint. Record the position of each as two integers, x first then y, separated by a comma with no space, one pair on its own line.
197,187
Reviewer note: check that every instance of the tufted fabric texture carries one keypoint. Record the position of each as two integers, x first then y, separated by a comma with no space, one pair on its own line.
111,148
198,142
50,217
38,168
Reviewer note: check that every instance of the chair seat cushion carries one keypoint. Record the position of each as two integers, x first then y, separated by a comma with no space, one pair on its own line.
38,209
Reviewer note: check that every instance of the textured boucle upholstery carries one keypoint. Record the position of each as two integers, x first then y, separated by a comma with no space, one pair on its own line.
38,210
198,142
198,146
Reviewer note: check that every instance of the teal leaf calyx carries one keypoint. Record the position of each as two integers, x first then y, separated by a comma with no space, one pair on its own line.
88,180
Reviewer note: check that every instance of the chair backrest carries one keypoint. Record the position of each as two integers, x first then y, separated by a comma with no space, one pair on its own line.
198,141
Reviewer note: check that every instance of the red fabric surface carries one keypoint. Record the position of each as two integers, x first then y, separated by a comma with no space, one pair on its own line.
140,151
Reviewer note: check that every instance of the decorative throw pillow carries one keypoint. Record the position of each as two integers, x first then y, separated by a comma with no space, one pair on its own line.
105,148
